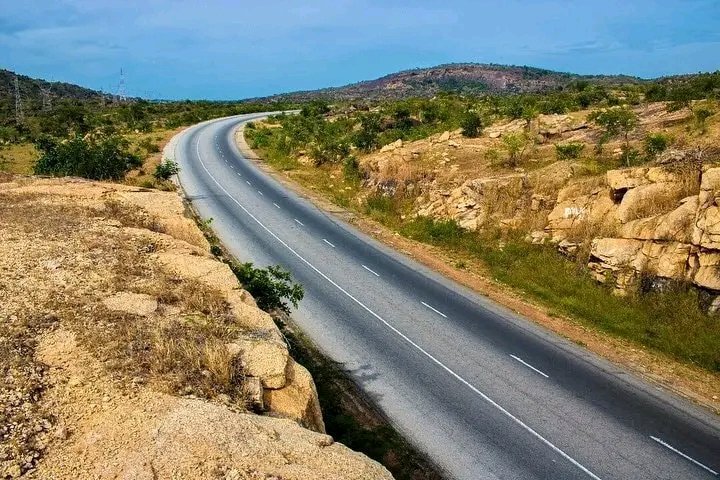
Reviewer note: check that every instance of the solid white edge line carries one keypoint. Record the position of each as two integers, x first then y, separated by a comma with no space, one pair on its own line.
325,240
530,366
670,447
299,222
278,206
369,270
434,310
489,400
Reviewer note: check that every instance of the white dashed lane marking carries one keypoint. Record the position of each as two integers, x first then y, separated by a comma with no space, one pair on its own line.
434,310
371,271
529,366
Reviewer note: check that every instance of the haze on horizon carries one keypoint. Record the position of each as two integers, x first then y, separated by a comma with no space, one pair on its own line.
221,49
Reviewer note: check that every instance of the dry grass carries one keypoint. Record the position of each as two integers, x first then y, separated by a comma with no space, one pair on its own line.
130,216
18,159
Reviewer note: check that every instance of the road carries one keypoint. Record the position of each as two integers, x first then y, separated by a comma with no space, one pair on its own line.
483,392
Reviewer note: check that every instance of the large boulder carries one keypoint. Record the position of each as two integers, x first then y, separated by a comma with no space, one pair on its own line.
638,201
675,226
707,270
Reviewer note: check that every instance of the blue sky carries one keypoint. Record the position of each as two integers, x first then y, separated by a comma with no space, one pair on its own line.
238,49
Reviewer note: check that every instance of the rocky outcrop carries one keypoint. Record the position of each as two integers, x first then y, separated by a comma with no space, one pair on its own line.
113,281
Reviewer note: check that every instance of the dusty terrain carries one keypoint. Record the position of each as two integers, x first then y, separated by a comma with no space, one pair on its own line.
130,352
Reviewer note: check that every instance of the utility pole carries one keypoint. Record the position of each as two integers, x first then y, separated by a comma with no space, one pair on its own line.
46,99
18,103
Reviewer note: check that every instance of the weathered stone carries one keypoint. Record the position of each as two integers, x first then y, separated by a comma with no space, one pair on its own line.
298,399
626,179
710,179
706,233
390,147
707,274
262,358
637,198
674,226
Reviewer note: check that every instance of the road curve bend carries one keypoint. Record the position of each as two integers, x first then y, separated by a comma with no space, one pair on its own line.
483,392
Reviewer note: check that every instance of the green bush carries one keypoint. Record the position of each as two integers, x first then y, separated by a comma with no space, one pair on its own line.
165,170
272,287
655,144
471,125
569,151
94,157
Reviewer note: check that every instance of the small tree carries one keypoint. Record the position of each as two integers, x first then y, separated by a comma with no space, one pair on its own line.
618,121
515,145
471,124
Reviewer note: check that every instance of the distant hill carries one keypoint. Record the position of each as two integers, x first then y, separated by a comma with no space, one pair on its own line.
461,77
31,93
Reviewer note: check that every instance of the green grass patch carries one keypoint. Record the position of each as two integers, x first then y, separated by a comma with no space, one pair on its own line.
671,321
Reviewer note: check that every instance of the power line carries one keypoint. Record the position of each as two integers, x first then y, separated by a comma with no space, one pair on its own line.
18,103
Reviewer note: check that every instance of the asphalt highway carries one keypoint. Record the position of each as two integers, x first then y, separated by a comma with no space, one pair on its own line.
483,392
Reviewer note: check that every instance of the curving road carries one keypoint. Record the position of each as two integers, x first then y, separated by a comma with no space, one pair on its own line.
485,393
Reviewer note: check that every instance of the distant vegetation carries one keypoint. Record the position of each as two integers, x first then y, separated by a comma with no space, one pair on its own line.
78,131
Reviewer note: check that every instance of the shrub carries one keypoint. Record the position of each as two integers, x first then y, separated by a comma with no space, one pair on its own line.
351,169
700,116
271,287
569,151
149,146
655,144
471,125
165,170
97,158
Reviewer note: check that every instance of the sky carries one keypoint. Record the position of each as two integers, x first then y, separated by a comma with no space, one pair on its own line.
223,49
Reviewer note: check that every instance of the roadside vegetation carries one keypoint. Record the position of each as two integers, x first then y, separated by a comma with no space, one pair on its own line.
97,138
321,146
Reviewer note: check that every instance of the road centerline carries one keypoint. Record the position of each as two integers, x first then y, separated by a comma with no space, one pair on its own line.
407,339
329,243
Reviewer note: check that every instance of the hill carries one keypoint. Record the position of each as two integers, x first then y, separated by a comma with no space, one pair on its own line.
31,92
471,78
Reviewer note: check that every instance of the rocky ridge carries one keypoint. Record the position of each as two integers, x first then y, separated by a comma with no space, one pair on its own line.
98,280
659,220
